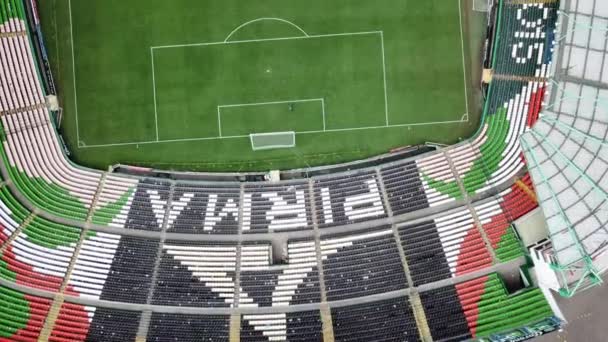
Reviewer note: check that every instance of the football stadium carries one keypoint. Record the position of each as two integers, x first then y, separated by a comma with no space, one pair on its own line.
304,170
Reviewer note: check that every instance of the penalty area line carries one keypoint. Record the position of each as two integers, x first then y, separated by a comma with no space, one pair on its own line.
247,136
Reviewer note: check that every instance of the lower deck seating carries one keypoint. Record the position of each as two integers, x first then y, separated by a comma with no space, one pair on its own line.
481,307
284,207
22,316
447,246
304,326
148,206
444,314
114,267
404,188
344,199
166,327
386,320
196,274
499,231
438,179
204,208
76,323
294,282
362,264
517,201
489,309
40,254
12,214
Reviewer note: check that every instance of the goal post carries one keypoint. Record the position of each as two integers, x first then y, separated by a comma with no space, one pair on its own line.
272,140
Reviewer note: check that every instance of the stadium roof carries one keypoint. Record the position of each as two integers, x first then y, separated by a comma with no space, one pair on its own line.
567,150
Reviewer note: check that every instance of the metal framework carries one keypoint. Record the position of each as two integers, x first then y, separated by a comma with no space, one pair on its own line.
567,149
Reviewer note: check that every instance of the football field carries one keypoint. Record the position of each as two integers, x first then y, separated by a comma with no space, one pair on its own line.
182,84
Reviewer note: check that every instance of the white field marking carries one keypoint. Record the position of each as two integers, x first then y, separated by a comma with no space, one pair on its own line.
252,104
323,105
464,69
74,75
266,39
154,90
219,121
247,136
262,19
384,75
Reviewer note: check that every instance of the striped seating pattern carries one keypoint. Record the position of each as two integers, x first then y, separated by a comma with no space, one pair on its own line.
489,309
85,323
481,307
442,248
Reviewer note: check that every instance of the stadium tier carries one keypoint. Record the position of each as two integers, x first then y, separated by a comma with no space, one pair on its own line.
384,253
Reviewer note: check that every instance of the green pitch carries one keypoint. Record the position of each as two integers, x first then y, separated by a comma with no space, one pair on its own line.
181,84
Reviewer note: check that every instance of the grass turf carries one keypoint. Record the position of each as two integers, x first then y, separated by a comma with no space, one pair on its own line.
419,51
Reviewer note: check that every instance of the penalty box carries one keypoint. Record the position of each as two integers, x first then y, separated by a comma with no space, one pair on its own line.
306,83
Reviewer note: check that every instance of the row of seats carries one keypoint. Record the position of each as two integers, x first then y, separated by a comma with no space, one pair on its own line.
354,264
203,274
87,323
489,308
22,317
205,208
361,264
445,247
114,267
404,189
268,207
526,42
386,320
481,307
301,326
472,309
499,231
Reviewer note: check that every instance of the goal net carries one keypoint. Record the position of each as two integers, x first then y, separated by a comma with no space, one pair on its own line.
266,141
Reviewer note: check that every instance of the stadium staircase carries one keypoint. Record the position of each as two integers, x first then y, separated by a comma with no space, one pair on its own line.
408,250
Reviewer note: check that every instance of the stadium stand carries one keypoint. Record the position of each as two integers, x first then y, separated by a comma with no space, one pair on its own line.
204,208
445,247
184,327
85,323
358,242
387,320
292,326
356,265
480,307
24,316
